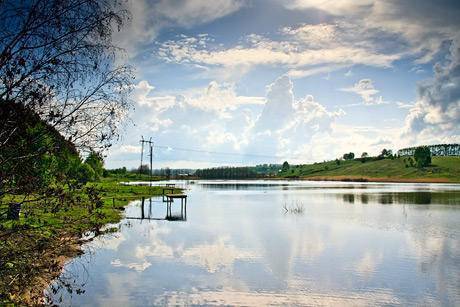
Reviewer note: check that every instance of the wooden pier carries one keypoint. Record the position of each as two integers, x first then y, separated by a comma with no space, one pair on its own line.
168,197
183,203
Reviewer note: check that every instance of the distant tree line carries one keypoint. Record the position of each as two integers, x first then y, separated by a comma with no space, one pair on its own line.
227,173
435,150
267,169
261,170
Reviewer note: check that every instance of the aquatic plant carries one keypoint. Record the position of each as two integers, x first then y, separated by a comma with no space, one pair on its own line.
296,208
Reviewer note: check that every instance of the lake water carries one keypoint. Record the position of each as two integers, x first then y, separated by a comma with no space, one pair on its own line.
276,242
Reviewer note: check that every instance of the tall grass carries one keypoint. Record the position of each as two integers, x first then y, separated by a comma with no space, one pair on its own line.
296,207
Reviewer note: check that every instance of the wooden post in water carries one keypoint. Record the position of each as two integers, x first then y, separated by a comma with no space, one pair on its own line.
181,208
142,208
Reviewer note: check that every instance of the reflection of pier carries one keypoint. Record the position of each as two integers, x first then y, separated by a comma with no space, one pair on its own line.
183,205
147,214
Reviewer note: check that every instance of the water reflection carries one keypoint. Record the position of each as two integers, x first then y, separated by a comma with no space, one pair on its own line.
239,247
146,211
416,198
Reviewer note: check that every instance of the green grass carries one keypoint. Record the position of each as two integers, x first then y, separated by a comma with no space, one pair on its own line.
443,169
114,197
49,230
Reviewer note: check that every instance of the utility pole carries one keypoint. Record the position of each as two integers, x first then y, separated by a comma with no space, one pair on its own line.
142,154
151,158
150,144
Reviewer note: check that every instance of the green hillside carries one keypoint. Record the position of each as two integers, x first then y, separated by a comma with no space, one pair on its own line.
442,169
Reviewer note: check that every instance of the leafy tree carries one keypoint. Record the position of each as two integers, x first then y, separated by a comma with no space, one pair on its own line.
96,161
33,155
422,156
364,155
349,156
285,166
117,171
386,153
144,169
168,172
85,173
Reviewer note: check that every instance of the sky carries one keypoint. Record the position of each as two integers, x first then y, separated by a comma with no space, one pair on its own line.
244,82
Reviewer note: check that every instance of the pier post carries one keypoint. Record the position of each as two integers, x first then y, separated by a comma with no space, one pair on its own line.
150,207
181,207
142,208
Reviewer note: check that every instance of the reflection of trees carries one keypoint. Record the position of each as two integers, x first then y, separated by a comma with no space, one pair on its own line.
385,199
349,198
421,198
243,186
65,285
417,198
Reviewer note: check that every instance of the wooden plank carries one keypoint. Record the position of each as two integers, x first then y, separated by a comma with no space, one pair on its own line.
176,195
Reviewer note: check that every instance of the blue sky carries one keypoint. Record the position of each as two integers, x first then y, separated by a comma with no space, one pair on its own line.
296,80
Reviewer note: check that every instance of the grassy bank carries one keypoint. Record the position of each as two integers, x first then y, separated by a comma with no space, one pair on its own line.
34,248
442,169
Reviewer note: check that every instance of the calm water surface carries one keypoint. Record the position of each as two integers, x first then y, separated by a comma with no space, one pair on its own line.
346,244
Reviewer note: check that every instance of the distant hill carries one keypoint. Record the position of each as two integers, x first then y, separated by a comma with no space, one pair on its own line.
442,169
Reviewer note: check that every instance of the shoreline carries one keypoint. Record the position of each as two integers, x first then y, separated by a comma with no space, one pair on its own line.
378,179
342,178
42,257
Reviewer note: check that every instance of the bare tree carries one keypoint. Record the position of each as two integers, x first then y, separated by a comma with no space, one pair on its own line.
57,59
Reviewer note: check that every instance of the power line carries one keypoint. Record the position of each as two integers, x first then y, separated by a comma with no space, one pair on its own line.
190,160
229,153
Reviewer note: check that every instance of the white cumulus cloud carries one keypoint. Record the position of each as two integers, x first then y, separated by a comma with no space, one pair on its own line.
435,117
365,88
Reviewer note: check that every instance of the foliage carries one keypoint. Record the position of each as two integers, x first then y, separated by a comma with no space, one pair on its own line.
33,155
96,162
168,172
349,156
267,169
285,166
85,173
144,169
122,171
226,173
436,150
364,155
386,153
422,156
